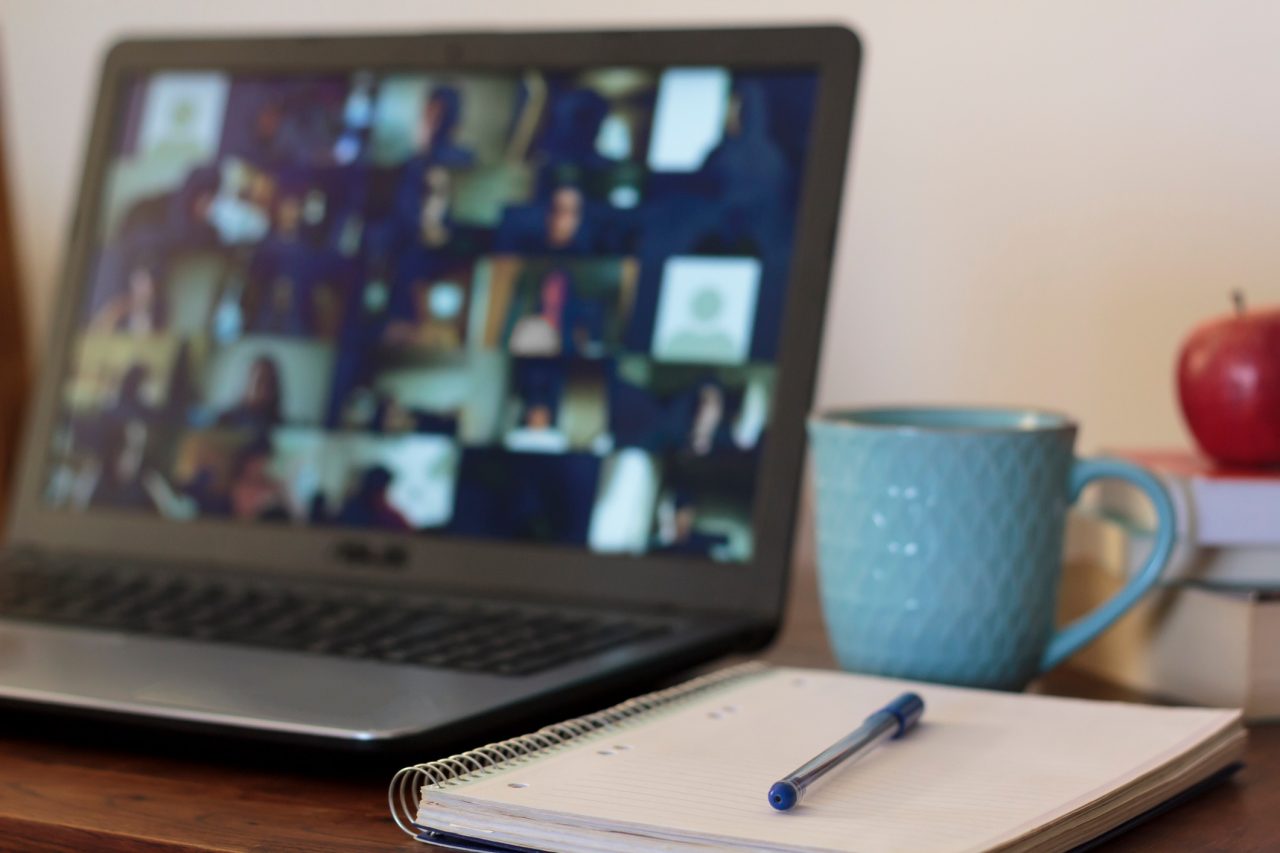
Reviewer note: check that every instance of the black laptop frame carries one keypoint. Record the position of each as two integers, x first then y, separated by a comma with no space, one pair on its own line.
755,589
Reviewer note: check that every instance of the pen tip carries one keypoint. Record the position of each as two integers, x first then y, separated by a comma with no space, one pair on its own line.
783,795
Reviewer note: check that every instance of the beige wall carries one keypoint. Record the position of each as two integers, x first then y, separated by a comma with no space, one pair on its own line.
1045,196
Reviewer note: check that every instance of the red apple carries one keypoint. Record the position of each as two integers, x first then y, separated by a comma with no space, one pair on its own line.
1229,384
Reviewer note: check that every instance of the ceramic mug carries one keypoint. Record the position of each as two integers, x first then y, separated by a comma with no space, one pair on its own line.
940,541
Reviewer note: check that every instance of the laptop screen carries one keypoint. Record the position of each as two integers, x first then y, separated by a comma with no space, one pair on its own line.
541,306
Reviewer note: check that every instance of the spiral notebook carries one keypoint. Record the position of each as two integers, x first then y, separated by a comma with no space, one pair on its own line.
687,769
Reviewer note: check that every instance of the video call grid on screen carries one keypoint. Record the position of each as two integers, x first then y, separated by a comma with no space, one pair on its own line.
538,306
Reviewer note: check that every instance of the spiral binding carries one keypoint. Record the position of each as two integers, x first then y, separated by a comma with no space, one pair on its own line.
402,795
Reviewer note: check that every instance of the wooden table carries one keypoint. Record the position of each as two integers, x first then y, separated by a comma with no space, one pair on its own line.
63,788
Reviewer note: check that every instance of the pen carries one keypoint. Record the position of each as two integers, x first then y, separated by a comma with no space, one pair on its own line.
890,722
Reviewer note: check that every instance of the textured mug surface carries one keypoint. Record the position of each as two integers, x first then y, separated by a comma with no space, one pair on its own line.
940,536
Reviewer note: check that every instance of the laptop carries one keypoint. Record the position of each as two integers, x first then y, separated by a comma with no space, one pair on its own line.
406,387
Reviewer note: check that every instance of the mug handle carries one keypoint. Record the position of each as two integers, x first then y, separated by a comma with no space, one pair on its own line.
1071,638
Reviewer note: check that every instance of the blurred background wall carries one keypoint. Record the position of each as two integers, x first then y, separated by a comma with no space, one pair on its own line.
1045,196
13,352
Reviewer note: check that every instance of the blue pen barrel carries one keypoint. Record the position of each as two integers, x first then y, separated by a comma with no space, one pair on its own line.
890,722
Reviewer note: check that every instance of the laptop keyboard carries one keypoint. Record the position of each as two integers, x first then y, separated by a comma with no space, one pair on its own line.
477,637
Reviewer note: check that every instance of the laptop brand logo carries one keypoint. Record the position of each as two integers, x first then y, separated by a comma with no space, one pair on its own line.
365,555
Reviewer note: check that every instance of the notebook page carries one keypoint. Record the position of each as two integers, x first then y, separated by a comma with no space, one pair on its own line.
981,768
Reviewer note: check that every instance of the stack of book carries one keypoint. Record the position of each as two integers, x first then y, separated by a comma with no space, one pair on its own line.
1210,635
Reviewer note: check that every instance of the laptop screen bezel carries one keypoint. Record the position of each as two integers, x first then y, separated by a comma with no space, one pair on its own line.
754,588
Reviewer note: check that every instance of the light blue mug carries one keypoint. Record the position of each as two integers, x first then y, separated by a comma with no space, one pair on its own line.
940,541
